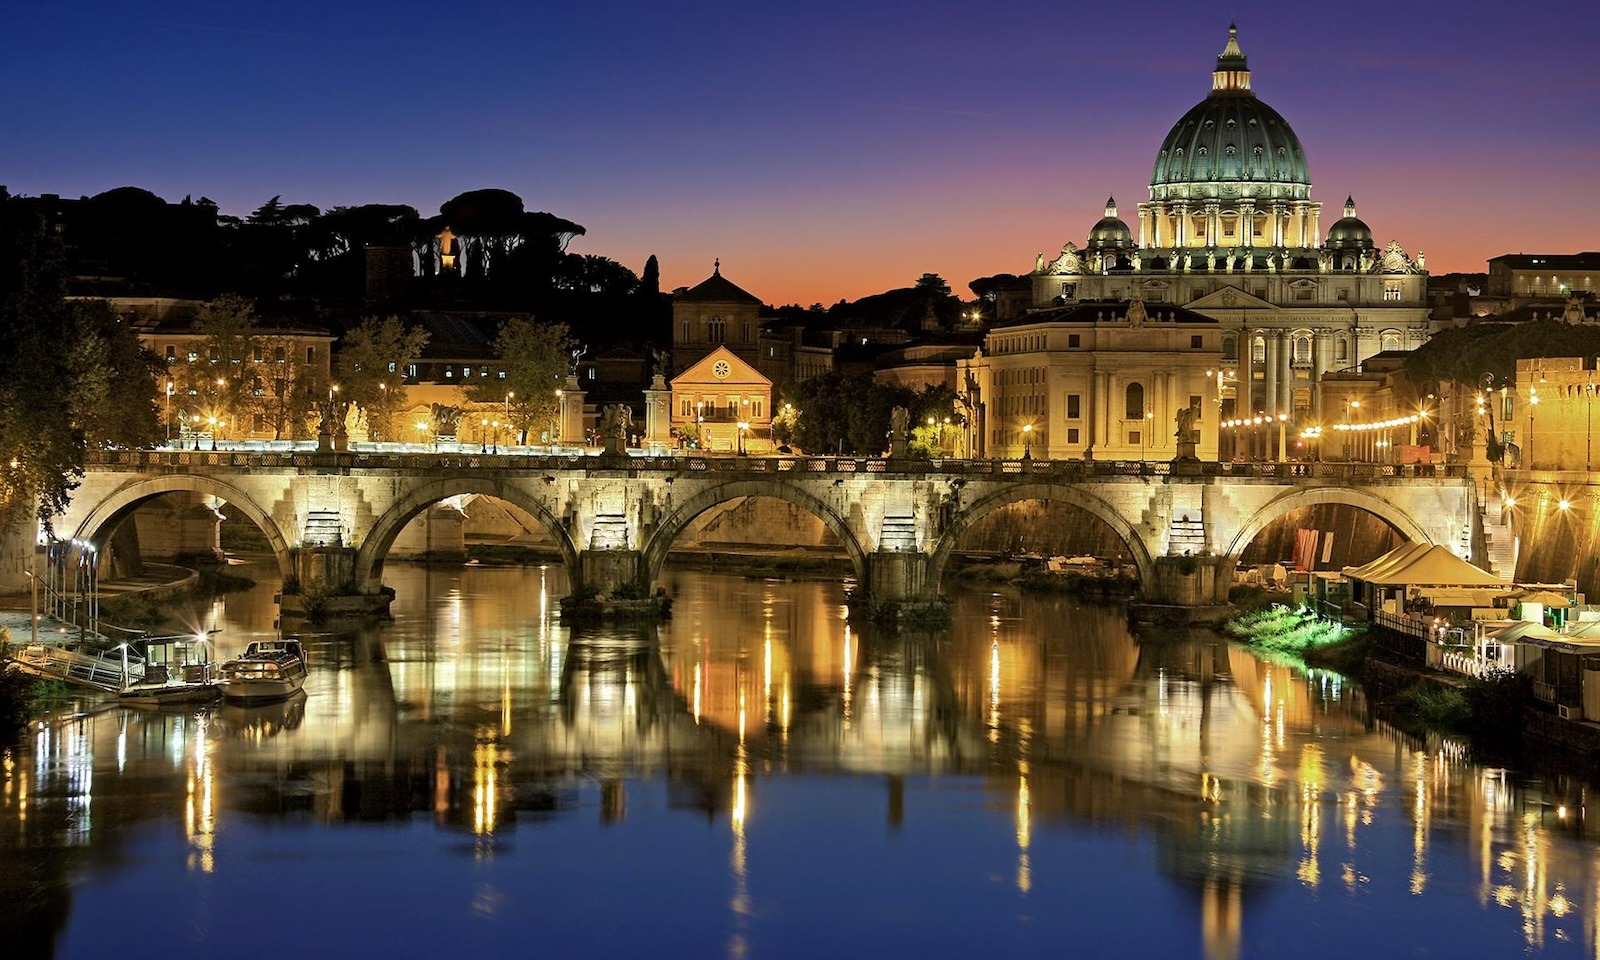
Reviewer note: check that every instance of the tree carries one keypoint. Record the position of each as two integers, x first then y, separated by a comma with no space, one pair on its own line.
534,360
285,388
115,379
372,361
41,450
217,392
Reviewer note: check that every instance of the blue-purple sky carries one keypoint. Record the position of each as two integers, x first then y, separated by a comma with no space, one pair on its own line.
821,149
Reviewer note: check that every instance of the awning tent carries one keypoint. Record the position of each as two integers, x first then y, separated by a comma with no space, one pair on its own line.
1417,564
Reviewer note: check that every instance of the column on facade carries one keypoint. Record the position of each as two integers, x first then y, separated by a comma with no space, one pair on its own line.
1277,224
1320,345
1144,224
1286,372
1269,392
1213,223
1158,213
1247,223
1300,220
1247,373
1180,225
1102,420
1315,213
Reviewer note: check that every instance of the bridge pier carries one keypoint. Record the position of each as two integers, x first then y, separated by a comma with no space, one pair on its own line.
607,571
897,589
1185,589
325,586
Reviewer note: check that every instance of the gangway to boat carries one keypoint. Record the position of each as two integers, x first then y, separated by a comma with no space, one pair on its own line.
102,672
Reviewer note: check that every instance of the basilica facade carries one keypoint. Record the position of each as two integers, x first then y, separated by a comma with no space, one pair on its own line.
1230,255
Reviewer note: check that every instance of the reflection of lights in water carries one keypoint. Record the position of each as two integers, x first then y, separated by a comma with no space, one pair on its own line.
787,707
199,808
738,945
741,713
994,690
1024,830
766,677
1311,777
1419,816
485,785
697,674
846,696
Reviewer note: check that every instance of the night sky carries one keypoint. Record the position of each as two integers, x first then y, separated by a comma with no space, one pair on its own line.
823,150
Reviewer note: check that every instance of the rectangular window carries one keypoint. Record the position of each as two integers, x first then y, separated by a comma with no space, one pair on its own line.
1344,295
1304,293
1073,340
1196,342
411,370
172,353
1194,401
1135,436
1074,406
1391,291
311,354
1072,434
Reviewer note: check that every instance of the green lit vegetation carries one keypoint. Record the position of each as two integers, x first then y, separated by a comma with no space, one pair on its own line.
1288,629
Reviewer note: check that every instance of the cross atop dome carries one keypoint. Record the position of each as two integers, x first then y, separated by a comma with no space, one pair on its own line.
1233,70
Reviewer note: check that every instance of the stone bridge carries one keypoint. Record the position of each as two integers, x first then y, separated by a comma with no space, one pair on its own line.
334,516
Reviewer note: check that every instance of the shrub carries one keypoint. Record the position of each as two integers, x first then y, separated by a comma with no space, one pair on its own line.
1440,708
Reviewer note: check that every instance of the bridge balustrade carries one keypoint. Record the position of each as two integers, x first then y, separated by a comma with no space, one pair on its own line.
1067,470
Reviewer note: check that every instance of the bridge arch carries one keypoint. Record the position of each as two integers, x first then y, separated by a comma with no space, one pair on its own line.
375,545
104,517
673,524
988,503
1395,516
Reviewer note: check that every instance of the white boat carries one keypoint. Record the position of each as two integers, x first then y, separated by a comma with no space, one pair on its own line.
269,670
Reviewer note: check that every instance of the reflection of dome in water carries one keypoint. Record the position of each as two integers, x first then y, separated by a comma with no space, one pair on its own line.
1231,143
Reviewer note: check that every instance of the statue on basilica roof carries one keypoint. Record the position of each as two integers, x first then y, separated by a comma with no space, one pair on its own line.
1070,262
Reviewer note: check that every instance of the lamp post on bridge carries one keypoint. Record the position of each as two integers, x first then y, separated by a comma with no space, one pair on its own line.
1533,404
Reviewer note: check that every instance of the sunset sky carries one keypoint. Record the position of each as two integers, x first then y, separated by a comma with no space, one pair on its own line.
823,150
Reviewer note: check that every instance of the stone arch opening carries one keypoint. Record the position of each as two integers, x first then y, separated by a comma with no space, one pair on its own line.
1303,499
985,505
110,513
674,524
375,546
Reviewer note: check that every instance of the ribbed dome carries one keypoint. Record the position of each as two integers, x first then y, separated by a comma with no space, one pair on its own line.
1229,143
1350,232
1110,232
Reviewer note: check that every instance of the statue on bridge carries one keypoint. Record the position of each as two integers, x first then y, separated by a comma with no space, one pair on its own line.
446,420
331,428
1187,434
615,423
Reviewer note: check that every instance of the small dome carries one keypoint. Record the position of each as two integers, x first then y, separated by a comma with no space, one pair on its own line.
1110,232
1350,232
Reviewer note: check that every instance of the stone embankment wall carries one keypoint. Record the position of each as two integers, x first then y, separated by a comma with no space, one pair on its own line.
1556,545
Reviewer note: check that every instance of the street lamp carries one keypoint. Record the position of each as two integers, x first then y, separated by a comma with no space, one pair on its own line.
166,413
1027,441
422,432
1533,403
743,426
483,436
509,395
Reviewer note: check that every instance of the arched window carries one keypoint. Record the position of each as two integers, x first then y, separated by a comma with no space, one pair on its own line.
1135,402
1390,340
1230,348
1341,349
1258,349
1302,349
716,330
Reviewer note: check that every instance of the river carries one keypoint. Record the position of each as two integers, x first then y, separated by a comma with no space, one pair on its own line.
756,778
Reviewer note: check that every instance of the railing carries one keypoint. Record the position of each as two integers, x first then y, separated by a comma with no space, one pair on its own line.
1061,470
104,673
1544,691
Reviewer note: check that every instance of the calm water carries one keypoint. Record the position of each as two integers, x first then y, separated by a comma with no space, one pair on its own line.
757,779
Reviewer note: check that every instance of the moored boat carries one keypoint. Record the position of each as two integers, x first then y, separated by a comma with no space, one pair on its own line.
269,670
197,685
